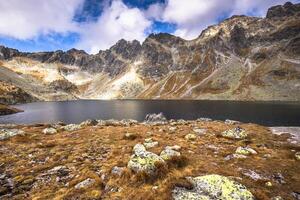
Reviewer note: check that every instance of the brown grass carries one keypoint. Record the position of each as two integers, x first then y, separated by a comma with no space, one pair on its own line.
92,152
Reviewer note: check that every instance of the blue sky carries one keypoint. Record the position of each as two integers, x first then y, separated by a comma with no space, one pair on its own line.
35,25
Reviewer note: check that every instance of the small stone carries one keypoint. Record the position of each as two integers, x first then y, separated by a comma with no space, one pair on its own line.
117,170
84,184
231,122
277,198
130,136
49,131
168,154
297,156
199,131
269,184
149,143
172,129
190,137
175,147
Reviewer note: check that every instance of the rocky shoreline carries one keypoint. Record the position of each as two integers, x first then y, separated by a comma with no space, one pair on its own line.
154,159
7,110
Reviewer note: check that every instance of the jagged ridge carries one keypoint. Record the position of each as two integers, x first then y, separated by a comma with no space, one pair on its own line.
242,58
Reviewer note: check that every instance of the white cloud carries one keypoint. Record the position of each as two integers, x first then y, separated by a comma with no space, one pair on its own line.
117,21
26,19
192,16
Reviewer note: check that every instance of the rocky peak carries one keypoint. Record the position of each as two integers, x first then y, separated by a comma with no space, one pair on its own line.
288,9
7,53
76,52
127,49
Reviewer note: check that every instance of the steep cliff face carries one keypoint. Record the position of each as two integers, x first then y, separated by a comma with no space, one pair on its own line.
242,58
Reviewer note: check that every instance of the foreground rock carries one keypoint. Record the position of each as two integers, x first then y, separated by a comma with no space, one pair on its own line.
7,133
213,187
143,161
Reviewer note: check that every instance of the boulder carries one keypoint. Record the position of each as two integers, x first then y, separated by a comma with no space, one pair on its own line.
49,131
143,161
236,133
155,118
213,187
7,133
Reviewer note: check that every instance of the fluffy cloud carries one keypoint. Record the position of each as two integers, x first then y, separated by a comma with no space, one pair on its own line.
192,16
31,18
117,21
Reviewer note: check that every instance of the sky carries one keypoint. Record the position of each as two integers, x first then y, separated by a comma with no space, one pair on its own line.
93,25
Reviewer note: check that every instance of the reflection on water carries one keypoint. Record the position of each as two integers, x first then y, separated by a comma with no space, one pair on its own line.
266,113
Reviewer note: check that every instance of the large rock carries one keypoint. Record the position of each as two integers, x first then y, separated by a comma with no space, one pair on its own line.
213,187
236,133
7,133
143,161
155,118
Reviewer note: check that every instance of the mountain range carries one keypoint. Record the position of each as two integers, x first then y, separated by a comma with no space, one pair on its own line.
242,58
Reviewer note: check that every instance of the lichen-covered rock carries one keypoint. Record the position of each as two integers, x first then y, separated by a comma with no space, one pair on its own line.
49,131
245,151
71,127
190,137
143,161
86,183
7,133
297,156
213,187
236,133
169,153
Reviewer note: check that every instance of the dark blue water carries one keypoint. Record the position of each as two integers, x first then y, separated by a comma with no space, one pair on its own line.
265,113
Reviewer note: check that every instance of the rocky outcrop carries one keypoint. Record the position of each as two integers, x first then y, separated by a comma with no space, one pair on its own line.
288,9
7,110
10,94
232,60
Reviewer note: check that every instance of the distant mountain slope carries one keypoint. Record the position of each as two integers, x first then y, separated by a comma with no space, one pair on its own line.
242,58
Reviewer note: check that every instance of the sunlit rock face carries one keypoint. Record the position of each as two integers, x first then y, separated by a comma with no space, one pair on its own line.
242,58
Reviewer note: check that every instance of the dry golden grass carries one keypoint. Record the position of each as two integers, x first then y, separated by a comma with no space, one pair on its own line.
92,152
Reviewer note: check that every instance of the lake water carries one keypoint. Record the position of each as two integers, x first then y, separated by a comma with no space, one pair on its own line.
265,113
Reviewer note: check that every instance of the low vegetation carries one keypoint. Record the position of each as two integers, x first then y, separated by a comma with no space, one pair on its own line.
91,161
